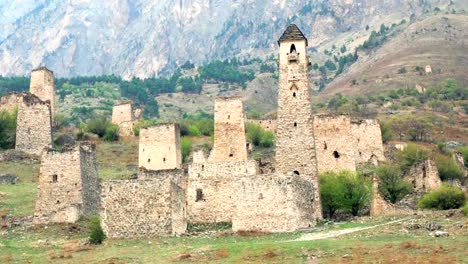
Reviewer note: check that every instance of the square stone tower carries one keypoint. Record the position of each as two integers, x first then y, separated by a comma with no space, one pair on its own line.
34,122
229,132
160,147
295,146
42,85
122,115
68,185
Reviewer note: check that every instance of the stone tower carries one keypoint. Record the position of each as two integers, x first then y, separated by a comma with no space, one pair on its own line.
295,147
122,115
229,134
160,147
42,85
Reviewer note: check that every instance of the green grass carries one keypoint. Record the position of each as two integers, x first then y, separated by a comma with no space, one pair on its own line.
117,160
19,198
26,172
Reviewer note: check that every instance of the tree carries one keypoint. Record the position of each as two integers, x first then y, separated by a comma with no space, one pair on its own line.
151,109
448,169
7,129
391,184
98,125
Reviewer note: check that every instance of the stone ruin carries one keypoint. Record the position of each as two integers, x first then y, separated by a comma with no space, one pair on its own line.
123,116
34,125
68,185
11,102
424,176
42,85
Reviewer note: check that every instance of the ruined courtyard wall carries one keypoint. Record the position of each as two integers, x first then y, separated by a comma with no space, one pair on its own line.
11,102
273,203
178,176
68,185
42,85
424,176
267,124
334,143
142,208
215,181
229,131
122,115
159,147
368,139
33,130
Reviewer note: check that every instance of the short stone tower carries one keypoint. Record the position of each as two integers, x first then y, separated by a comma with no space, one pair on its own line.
229,135
122,115
42,85
160,147
295,147
68,185
34,122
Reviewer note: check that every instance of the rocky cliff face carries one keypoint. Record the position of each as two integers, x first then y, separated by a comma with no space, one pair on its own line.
145,38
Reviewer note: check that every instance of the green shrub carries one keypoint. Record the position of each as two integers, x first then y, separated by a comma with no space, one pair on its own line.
464,151
98,125
7,129
96,234
448,168
258,136
142,123
344,191
411,155
465,210
194,131
112,133
186,146
391,184
444,198
386,131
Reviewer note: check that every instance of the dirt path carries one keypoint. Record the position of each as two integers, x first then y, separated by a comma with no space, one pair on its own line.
332,234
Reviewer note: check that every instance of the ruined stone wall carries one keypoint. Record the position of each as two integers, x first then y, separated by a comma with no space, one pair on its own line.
210,193
42,85
68,185
378,204
229,130
267,124
178,176
368,140
122,115
334,143
424,176
141,208
273,203
33,130
199,156
10,102
295,146
160,147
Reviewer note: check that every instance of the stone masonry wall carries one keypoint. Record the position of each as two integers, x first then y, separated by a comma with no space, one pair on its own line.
33,130
10,102
142,208
229,130
122,115
295,146
334,143
273,203
378,205
368,138
160,147
210,190
178,176
42,85
68,185
424,176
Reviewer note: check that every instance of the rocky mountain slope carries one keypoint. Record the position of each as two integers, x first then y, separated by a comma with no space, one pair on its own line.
145,38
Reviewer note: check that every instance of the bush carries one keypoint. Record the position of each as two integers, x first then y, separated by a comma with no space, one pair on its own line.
392,187
411,155
465,210
7,129
112,133
444,198
96,234
258,136
186,146
98,125
464,151
386,131
344,191
448,168
142,123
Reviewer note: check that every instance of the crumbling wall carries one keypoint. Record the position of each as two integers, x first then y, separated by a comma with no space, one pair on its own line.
141,208
11,102
267,124
334,143
378,204
210,193
178,176
229,131
42,85
122,115
33,130
424,176
368,140
273,203
199,156
160,147
68,185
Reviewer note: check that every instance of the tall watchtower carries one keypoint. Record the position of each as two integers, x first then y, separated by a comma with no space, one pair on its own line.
42,85
295,147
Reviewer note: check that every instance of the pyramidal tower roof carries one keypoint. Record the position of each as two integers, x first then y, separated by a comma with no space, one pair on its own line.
292,33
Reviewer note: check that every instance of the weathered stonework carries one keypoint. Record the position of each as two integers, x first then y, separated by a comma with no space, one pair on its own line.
122,115
378,204
295,146
68,185
11,102
160,147
424,176
42,85
34,125
334,143
142,208
368,139
210,194
178,176
267,124
273,203
199,156
229,134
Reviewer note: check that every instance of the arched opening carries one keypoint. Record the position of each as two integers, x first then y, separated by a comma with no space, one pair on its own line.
293,49
294,94
336,154
297,172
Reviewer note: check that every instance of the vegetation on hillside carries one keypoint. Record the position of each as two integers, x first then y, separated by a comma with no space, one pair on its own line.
7,129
